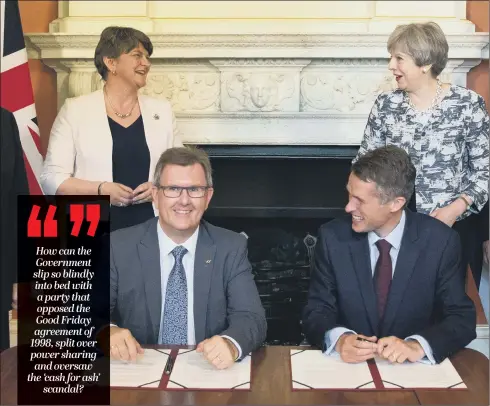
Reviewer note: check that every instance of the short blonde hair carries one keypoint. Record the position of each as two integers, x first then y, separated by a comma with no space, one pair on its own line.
425,43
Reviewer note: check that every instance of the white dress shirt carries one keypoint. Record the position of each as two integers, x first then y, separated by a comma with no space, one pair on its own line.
167,261
395,239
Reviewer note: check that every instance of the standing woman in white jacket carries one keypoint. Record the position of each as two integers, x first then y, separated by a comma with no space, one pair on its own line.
108,142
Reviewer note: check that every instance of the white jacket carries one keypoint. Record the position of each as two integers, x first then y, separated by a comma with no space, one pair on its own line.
80,143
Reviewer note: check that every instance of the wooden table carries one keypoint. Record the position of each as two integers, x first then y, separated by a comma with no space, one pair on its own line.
271,385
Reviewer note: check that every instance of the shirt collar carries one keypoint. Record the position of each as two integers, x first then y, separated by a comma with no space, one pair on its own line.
167,245
394,238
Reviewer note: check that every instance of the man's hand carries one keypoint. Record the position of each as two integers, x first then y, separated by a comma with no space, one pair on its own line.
353,350
218,351
123,345
396,350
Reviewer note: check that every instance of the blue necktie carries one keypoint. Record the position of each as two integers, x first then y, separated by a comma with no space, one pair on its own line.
173,328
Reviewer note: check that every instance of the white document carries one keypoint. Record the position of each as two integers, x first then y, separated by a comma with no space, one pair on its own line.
311,369
192,371
419,375
146,371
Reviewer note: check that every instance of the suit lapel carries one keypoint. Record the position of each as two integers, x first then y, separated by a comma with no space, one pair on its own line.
203,269
149,255
359,251
405,265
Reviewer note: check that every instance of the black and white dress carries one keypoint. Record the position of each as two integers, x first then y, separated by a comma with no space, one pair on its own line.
449,148
448,145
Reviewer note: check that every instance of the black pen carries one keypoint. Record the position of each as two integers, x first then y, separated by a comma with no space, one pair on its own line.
169,365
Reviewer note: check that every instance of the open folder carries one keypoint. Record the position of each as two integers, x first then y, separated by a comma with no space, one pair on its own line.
191,371
145,372
311,369
178,370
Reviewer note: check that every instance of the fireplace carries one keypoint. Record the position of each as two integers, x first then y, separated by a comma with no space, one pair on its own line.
279,103
278,196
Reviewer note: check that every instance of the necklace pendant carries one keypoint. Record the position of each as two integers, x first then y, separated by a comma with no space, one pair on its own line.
122,115
433,104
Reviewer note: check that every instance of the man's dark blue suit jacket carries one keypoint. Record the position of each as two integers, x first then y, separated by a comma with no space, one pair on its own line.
427,294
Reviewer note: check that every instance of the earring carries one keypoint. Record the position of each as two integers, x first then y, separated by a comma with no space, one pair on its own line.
114,72
424,70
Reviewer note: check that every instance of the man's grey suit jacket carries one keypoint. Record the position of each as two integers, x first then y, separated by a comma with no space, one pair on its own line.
226,300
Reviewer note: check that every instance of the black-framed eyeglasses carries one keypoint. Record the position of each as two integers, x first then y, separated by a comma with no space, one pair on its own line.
176,191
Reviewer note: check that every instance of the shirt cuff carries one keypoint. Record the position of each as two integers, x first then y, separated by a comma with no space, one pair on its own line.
332,336
236,345
429,357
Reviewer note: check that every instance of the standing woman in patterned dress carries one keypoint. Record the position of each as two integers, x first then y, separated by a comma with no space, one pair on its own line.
444,129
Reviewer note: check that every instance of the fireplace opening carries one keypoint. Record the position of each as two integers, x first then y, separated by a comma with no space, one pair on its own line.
278,197
280,252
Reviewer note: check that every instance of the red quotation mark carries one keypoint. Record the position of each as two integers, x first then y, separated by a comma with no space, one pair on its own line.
50,224
34,225
77,217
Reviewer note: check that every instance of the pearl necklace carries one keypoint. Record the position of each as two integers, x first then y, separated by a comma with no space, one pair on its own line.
432,105
120,115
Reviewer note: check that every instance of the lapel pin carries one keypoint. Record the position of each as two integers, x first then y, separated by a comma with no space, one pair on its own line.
156,116
208,261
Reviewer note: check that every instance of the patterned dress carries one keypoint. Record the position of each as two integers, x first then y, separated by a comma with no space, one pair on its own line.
448,145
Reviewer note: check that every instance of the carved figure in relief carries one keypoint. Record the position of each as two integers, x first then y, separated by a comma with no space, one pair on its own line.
186,91
336,92
259,92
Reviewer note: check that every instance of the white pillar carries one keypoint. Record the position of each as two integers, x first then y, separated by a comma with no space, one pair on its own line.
450,15
91,17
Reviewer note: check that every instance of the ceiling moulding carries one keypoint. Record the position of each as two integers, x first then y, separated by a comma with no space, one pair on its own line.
342,45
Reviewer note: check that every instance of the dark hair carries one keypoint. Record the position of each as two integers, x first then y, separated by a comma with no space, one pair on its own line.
115,41
391,169
183,156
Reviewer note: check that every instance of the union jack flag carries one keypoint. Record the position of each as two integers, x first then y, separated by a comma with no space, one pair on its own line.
16,93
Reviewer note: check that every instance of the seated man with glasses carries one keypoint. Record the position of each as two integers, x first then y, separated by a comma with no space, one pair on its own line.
176,279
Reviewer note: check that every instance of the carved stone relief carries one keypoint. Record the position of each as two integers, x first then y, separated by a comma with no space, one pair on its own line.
304,89
341,92
265,91
347,85
260,84
186,91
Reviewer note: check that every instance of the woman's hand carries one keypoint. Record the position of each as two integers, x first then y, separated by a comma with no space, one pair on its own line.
142,193
450,213
121,195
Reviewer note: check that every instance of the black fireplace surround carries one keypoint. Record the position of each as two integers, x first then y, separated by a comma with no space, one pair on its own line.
278,196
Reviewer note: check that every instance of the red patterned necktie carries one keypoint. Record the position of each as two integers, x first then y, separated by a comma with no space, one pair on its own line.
383,274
